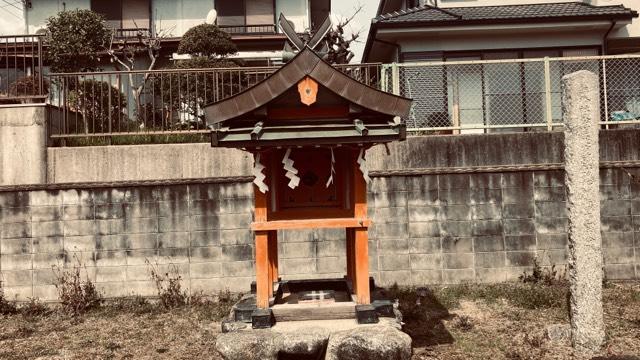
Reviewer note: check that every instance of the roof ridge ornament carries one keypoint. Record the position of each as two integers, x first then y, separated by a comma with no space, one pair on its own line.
297,42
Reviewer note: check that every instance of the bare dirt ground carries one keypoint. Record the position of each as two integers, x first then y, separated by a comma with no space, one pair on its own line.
505,321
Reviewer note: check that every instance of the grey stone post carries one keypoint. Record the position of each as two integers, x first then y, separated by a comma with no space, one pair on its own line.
23,145
581,108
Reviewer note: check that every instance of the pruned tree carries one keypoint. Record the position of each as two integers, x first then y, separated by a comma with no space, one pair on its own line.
207,40
339,43
75,39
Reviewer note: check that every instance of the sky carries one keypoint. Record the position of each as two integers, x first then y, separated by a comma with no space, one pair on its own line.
11,19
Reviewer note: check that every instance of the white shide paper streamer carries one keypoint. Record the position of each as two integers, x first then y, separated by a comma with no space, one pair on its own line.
257,172
292,172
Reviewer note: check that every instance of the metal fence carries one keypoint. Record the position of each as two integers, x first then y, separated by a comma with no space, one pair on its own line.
116,103
516,95
21,77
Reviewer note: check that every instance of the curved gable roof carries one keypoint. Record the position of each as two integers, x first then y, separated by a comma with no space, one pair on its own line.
306,63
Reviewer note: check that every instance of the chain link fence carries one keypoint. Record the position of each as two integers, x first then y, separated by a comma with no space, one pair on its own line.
509,95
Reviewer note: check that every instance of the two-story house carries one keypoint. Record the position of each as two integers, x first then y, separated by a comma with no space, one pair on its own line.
252,23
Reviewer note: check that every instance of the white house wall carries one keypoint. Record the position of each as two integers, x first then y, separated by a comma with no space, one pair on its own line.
175,17
41,10
296,11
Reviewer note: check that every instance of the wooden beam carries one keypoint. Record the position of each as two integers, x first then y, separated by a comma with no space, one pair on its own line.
350,238
262,270
310,223
361,283
273,259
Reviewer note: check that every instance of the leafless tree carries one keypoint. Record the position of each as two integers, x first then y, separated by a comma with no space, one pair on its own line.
339,43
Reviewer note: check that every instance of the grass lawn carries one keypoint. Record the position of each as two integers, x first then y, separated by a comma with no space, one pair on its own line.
502,321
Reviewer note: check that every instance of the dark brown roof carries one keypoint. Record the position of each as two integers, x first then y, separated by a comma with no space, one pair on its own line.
565,11
306,63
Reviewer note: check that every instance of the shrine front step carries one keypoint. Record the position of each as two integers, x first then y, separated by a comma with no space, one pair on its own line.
303,312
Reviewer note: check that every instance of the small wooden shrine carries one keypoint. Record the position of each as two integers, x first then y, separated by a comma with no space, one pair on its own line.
308,127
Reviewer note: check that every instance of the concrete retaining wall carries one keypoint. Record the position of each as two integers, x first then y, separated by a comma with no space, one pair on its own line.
441,228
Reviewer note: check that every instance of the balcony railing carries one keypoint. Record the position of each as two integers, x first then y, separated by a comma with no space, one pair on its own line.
131,33
250,29
21,69
110,104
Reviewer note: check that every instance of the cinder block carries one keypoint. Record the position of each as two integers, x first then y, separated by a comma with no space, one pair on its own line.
15,215
204,192
140,210
552,257
205,270
16,262
487,228
212,286
552,241
47,244
235,221
490,259
424,230
520,258
426,261
236,206
111,274
173,256
118,289
524,242
173,209
236,237
16,246
238,268
15,230
45,293
486,196
76,197
391,231
555,194
396,183
524,210
111,242
518,227
141,225
391,215
298,266
80,227
416,213
423,182
390,247
205,238
618,255
422,197
47,260
141,194
454,181
458,276
425,245
551,209
108,196
617,239
522,180
80,243
205,254
457,245
175,240
235,190
486,181
237,253
328,265
202,222
455,196
47,228
554,178
113,258
45,198
620,272
393,262
78,212
388,278
615,192
456,228
329,248
298,250
143,272
457,261
390,199
618,223
486,212
172,193
17,278
142,288
491,276
455,213
488,243
517,195
14,199
18,293
46,213
141,241
426,277
109,211
141,257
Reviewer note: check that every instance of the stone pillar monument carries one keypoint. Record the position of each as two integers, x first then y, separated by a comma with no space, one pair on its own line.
581,109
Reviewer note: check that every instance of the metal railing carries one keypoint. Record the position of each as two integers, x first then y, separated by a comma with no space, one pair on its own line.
511,95
21,77
250,29
159,102
131,33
